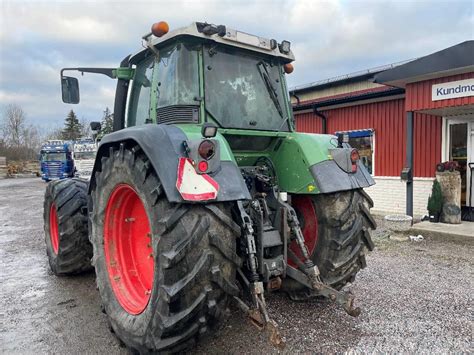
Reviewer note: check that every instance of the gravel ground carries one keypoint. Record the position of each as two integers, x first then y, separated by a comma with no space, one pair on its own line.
415,297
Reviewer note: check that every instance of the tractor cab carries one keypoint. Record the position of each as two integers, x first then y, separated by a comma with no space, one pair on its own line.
188,76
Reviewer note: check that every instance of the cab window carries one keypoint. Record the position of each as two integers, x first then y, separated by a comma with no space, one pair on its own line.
139,103
178,76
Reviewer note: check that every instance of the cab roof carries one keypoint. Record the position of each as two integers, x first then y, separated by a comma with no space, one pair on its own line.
224,35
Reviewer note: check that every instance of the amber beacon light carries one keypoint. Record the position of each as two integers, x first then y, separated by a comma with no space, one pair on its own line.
288,68
160,28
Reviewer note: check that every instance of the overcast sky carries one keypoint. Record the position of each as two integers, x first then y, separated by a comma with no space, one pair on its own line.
329,38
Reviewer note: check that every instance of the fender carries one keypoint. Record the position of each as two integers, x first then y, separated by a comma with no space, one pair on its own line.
330,177
163,145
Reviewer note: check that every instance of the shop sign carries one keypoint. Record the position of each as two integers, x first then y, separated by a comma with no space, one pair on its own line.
452,90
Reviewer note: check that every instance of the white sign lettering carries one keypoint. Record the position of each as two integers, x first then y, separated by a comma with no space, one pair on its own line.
452,90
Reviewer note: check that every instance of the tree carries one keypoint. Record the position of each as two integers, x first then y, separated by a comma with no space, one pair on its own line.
32,141
72,127
107,122
55,133
19,141
13,125
435,200
85,127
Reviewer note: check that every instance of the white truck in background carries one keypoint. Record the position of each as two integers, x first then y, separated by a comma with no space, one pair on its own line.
85,150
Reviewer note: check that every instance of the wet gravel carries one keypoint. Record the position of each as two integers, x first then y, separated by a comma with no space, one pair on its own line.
415,297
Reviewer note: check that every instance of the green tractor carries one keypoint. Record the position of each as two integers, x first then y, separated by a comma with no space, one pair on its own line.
205,194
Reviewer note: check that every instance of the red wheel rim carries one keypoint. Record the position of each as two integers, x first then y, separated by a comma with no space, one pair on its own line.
306,212
53,228
128,250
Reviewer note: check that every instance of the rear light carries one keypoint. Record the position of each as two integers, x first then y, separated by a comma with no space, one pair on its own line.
203,166
206,149
354,156
354,159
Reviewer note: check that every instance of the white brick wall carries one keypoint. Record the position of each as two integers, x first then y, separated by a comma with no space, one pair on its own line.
389,195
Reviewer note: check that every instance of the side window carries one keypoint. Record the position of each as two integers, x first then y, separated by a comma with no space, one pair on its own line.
139,103
178,76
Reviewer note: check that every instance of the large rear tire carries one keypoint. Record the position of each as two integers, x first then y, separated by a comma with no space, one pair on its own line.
65,225
336,230
175,283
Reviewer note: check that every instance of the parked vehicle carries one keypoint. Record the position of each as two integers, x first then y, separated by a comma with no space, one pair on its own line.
85,150
205,193
56,160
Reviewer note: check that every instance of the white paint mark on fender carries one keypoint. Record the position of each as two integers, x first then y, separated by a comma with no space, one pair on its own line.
193,186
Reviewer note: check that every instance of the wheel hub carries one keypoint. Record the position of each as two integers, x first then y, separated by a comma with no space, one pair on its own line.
128,249
306,213
53,228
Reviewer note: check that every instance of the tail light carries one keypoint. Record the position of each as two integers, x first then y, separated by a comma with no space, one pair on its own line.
206,149
203,166
354,159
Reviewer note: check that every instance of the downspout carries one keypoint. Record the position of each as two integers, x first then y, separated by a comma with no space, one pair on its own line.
324,119
292,111
316,112
296,97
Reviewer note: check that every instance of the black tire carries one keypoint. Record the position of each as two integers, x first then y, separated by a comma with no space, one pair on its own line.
344,221
74,251
195,260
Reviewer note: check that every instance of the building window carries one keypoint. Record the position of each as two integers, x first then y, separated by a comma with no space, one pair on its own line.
364,141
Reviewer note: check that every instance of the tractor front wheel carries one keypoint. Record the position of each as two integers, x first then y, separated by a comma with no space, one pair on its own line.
164,271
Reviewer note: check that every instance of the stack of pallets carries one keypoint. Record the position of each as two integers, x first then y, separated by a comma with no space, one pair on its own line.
3,167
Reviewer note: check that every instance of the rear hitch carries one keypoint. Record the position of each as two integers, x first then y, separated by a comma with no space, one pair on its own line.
345,299
259,318
258,312
309,274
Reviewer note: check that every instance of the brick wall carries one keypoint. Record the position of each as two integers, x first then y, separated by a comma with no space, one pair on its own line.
389,195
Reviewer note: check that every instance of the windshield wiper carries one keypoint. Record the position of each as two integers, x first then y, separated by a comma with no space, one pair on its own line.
270,88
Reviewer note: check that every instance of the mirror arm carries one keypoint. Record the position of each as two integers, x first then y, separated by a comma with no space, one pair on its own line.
111,73
116,73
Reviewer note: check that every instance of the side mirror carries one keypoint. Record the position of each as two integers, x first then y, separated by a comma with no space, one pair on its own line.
70,90
96,126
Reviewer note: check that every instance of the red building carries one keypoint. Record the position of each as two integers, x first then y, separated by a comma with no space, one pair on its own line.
411,115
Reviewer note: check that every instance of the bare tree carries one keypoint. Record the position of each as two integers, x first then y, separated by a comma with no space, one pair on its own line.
31,141
53,134
13,125
85,127
19,141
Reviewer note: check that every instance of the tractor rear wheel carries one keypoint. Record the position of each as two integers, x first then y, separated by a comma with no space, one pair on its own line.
65,226
164,271
336,231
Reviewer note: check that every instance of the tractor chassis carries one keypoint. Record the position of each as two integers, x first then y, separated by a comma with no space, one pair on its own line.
306,274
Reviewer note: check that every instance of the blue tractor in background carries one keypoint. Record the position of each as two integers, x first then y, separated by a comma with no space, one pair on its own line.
56,160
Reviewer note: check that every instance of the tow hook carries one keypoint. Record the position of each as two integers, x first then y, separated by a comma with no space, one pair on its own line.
259,316
345,299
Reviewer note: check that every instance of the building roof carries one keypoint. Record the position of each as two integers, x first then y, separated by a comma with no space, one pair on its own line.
346,78
454,60
354,96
